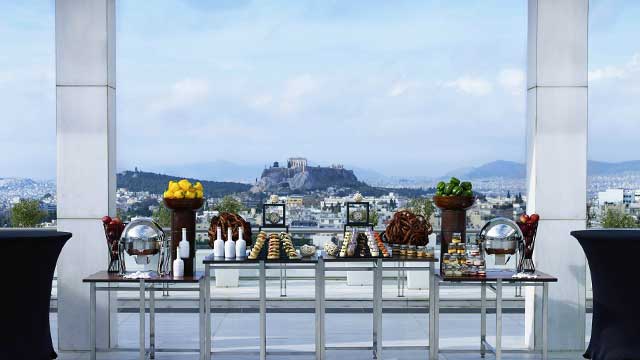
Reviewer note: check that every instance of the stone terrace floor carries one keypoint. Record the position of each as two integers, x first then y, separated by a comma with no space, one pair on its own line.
295,332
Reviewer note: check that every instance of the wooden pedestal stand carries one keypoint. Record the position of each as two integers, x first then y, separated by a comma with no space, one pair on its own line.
453,219
183,215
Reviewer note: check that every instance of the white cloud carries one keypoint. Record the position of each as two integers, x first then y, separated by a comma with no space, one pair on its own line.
260,100
299,86
400,88
471,85
184,93
294,90
512,80
616,72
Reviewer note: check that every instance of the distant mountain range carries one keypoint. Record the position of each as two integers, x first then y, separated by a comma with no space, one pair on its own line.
157,183
514,170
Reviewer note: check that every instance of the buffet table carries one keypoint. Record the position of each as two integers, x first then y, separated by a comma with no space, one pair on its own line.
212,263
378,266
321,263
495,280
26,306
615,331
105,281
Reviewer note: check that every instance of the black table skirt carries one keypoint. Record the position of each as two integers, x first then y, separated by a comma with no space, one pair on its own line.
28,260
613,260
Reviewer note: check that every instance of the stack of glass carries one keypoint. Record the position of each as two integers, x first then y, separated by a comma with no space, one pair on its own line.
463,259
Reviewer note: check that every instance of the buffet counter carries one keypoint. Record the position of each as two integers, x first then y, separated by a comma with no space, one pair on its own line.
322,263
494,280
105,281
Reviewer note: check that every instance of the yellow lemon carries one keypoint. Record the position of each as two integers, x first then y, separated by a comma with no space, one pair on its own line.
184,184
178,194
198,186
168,195
173,186
199,194
190,195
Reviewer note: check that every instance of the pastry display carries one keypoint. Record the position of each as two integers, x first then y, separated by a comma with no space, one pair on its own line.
362,246
257,248
461,260
227,220
331,248
273,252
307,250
406,228
373,247
380,244
345,244
287,246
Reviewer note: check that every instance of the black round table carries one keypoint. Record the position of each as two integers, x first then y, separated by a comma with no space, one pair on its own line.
28,259
612,257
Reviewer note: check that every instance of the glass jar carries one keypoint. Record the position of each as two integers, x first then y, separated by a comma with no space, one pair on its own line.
411,251
430,251
475,250
477,261
456,238
452,249
395,249
421,251
403,250
446,258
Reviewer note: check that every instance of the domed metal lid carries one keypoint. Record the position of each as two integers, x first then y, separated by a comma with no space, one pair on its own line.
143,229
500,229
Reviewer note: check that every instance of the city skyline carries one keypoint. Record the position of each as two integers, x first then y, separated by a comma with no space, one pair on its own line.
254,82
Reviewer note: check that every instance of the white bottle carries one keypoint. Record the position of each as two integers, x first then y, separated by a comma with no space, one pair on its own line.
184,245
230,245
241,245
178,266
218,245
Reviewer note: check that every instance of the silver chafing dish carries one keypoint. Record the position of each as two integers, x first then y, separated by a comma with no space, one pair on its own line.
143,239
500,236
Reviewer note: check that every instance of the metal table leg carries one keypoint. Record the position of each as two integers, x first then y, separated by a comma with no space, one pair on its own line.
201,319
92,320
142,323
207,311
377,310
483,319
320,343
152,323
263,311
498,319
435,347
545,314
432,322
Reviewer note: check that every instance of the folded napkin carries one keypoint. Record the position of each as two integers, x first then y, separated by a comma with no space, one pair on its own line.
524,276
138,275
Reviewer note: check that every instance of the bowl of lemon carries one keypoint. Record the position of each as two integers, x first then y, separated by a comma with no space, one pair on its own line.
183,195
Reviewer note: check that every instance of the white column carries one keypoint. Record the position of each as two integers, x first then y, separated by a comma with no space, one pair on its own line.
86,160
557,164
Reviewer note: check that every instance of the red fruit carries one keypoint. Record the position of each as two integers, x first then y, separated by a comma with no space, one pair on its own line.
106,219
524,218
534,218
116,221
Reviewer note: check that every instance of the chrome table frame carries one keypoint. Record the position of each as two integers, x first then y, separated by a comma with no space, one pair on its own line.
378,268
262,266
143,287
496,286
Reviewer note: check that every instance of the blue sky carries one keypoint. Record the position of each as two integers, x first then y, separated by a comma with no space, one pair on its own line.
411,88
